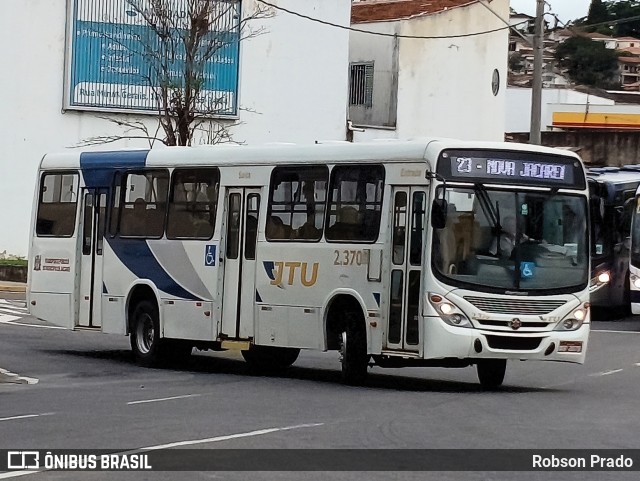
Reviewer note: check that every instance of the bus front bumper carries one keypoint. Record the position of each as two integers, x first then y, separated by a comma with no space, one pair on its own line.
445,341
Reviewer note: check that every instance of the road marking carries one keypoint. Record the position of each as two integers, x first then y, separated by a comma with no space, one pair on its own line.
30,380
164,399
216,439
12,323
26,416
6,318
259,432
13,309
615,332
606,373
16,474
637,364
21,305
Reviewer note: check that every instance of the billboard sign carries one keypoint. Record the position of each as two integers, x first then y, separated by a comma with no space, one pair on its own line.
117,59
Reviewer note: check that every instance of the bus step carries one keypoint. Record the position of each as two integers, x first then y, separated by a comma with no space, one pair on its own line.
88,328
409,354
235,345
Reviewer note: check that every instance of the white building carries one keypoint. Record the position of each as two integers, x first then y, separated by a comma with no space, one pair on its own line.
554,101
291,85
449,86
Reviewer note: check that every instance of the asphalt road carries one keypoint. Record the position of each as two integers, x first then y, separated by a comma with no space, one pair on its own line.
72,390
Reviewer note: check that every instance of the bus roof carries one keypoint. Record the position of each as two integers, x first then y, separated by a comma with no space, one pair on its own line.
387,150
615,175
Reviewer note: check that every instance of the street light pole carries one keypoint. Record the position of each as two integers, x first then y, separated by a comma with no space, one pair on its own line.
536,91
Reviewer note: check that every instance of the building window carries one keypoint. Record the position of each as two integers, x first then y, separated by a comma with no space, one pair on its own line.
361,84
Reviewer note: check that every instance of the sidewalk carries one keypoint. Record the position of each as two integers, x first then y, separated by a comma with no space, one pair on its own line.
8,286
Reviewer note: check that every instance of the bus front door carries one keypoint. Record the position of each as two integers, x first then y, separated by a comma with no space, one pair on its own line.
408,220
94,202
241,233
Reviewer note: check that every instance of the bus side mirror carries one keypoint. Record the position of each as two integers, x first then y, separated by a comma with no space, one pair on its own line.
439,214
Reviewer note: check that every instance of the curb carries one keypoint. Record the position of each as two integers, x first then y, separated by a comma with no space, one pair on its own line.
4,288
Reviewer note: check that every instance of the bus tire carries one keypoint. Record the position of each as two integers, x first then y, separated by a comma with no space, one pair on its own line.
353,352
145,340
266,359
491,372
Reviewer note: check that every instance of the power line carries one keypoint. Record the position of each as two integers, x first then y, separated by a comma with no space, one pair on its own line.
353,29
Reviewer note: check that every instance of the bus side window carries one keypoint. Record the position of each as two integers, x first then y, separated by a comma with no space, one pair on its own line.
192,203
297,203
355,203
57,205
144,205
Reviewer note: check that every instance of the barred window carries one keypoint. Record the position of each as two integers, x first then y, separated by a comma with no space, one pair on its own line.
355,203
57,205
361,84
192,203
297,201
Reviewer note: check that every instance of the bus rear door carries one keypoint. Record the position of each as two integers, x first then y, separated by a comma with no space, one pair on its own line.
238,299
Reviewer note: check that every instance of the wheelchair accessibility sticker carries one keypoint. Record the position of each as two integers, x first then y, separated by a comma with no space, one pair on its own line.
527,270
210,255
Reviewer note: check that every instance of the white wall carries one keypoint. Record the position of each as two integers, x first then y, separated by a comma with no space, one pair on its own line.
294,78
519,106
444,85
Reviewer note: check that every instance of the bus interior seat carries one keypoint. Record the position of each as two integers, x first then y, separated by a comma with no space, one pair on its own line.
276,229
347,225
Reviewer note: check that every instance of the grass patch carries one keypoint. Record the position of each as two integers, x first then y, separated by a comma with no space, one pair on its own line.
13,262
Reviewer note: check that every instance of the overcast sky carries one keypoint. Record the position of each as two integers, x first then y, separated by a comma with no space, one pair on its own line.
565,9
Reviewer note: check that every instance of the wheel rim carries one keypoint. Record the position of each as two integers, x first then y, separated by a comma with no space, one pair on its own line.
343,347
144,333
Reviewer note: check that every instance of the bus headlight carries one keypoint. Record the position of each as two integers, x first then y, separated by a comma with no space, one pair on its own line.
448,312
569,324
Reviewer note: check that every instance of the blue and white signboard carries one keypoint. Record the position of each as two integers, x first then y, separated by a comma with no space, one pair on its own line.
114,57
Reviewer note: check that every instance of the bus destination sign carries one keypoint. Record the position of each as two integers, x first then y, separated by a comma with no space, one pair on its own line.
508,167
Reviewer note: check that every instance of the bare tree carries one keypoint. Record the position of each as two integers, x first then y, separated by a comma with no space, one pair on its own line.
182,39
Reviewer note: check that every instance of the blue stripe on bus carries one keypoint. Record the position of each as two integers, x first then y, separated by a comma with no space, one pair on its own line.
634,296
98,167
136,256
376,296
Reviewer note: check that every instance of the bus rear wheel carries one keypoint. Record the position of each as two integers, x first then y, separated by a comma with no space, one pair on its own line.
146,343
353,353
270,358
491,372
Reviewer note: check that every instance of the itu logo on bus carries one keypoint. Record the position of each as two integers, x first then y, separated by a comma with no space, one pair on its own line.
290,272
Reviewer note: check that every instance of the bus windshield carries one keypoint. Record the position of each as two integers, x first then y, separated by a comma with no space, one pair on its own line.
512,241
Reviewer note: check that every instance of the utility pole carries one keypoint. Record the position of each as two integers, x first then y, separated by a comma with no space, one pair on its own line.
536,91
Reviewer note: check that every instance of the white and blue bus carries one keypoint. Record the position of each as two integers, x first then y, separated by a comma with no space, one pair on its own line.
393,253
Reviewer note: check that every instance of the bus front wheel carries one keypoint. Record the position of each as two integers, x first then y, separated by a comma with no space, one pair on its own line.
491,372
145,334
353,353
